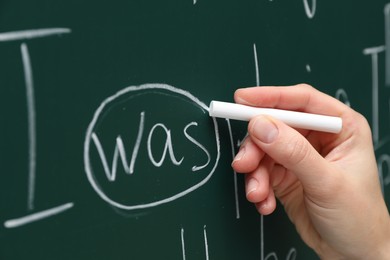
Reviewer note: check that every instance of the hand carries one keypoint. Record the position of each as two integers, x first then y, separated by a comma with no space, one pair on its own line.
327,183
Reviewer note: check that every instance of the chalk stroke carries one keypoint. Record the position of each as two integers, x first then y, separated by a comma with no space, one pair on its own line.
183,250
111,175
234,172
261,237
239,142
137,143
13,223
382,161
387,42
168,146
310,12
120,150
291,255
197,168
31,123
272,254
90,133
374,51
31,34
256,65
308,68
341,95
206,245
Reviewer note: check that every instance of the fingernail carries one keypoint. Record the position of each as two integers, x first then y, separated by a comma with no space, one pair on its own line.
239,155
264,129
251,185
239,97
243,101
263,206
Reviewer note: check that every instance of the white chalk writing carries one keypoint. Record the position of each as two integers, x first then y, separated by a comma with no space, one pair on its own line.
13,223
206,245
168,147
31,123
310,11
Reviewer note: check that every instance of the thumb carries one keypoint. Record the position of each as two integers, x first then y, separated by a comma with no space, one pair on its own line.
290,149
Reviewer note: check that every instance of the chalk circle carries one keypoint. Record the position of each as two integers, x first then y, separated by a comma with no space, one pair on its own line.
106,104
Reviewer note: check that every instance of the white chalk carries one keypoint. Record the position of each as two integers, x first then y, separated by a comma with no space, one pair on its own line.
330,124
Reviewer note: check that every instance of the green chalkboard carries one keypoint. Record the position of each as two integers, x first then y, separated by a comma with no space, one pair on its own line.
106,147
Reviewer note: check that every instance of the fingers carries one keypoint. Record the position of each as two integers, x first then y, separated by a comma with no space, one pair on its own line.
294,153
248,157
268,205
290,149
257,180
300,98
258,189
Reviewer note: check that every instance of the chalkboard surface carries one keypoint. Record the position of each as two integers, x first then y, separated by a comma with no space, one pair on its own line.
106,147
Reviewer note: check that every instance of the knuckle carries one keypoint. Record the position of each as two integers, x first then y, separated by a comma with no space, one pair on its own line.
305,86
297,150
358,125
362,120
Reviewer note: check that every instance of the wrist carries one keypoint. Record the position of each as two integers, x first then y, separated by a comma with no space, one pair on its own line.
382,250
